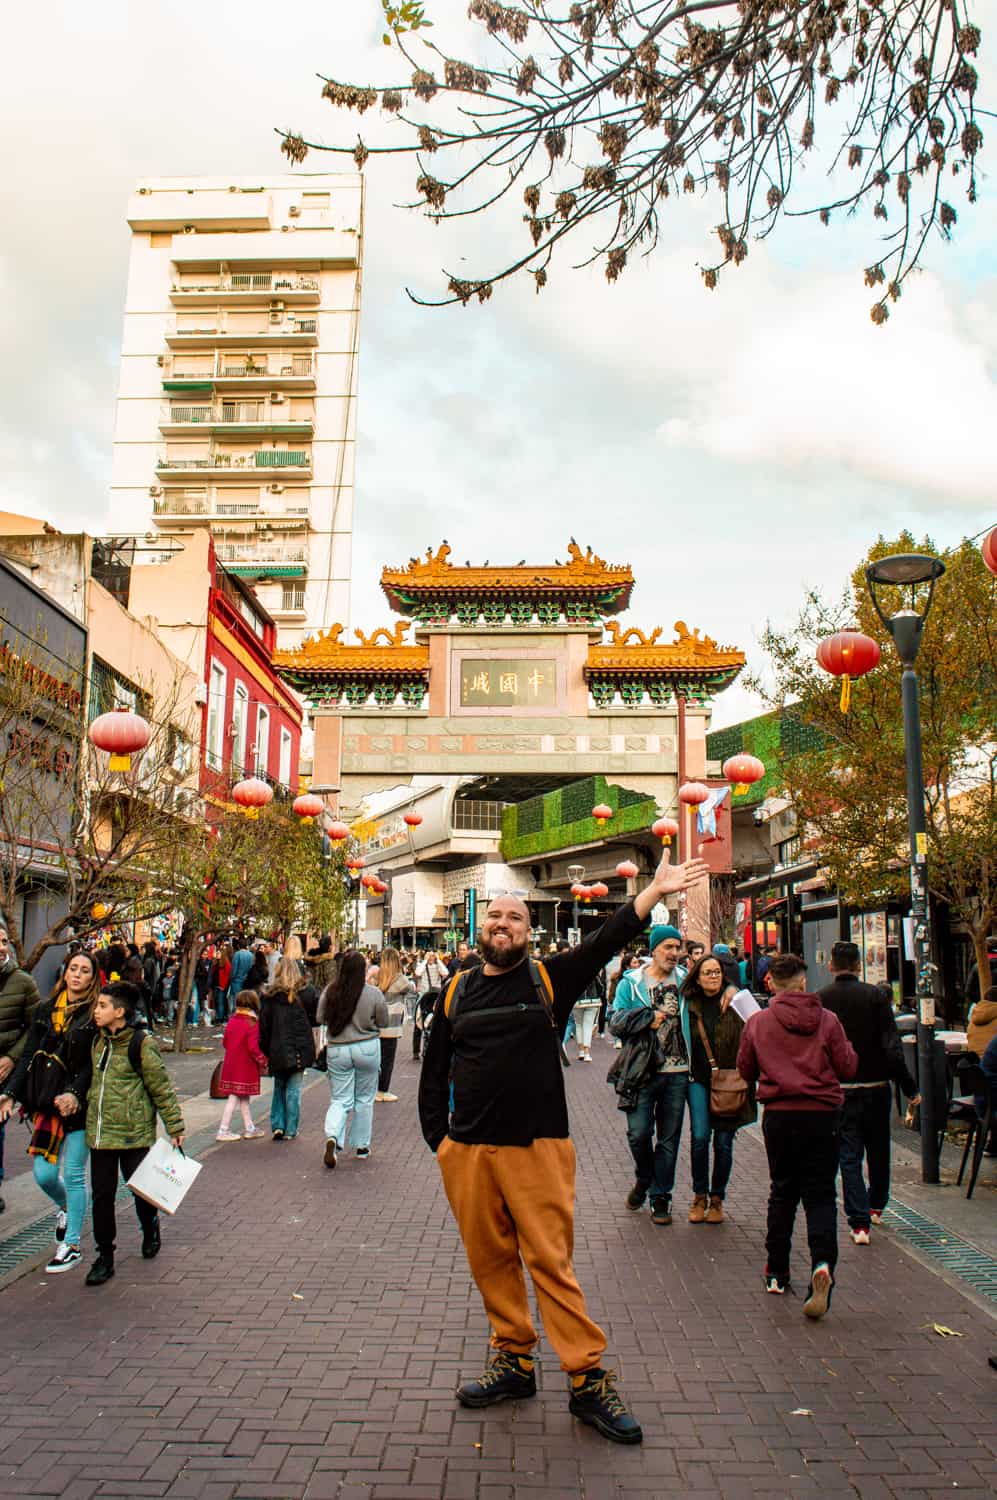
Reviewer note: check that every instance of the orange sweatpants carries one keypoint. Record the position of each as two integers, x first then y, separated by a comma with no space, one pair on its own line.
514,1204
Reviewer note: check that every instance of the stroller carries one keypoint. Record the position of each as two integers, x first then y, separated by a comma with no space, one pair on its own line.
423,1017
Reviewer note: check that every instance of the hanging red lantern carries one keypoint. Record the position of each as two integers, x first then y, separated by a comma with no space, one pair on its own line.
626,869
599,890
848,654
354,863
308,807
602,813
692,793
337,832
251,795
665,829
121,732
378,887
743,771
989,550
576,890
412,818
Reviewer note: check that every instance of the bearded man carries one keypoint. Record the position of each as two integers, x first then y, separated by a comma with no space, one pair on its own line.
492,1107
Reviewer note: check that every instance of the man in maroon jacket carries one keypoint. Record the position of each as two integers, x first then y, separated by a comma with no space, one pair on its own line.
797,1053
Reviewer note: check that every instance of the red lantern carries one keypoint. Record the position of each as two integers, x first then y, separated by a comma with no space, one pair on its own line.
989,550
599,890
308,807
337,832
602,813
120,732
665,829
626,869
576,890
692,793
251,795
585,894
378,887
354,863
412,818
743,771
848,654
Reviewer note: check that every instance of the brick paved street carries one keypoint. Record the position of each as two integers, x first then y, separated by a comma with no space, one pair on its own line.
201,1374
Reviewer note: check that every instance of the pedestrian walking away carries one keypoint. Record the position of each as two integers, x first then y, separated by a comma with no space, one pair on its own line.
129,1087
351,1013
797,1053
586,1013
397,990
715,1027
241,1067
651,1018
866,1016
287,1042
50,1082
492,1106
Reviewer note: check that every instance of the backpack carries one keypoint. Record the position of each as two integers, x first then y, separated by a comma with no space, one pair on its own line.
541,983
135,1041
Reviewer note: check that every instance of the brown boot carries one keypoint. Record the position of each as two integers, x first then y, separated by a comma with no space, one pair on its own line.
715,1212
697,1212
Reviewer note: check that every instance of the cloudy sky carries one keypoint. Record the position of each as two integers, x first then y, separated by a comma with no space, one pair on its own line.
737,447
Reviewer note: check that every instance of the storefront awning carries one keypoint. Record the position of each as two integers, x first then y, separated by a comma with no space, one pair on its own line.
790,876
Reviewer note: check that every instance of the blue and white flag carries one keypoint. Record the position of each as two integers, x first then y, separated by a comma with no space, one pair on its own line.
706,813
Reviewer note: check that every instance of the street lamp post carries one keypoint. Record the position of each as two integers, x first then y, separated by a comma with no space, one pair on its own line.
575,874
906,627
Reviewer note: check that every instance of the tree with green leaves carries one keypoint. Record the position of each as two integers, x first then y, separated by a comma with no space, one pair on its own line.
599,115
850,794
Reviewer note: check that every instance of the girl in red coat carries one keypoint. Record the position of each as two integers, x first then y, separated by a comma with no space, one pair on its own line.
242,1066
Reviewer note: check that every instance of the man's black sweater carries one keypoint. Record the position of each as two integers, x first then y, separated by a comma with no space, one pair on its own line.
867,1017
500,1062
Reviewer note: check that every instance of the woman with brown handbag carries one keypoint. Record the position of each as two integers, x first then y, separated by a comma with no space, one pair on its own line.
715,1029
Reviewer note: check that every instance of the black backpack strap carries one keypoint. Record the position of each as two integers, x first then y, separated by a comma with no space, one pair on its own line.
135,1041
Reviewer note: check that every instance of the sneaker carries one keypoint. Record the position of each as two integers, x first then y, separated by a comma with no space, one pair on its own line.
228,1135
329,1155
379,1097
860,1237
715,1212
64,1259
876,1217
388,1098
697,1209
777,1286
596,1401
151,1241
636,1198
819,1297
509,1377
252,1133
102,1270
363,1153
661,1213
60,1226
278,1135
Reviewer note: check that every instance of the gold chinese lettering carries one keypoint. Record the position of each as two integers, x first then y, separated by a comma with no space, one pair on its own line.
509,682
536,681
480,683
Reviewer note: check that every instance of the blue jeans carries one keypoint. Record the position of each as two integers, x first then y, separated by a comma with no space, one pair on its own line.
353,1070
285,1103
660,1108
68,1191
699,1150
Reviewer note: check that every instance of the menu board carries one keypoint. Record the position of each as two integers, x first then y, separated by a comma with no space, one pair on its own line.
868,932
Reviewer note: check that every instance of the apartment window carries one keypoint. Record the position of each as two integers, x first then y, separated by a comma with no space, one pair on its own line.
240,721
215,750
789,850
315,200
262,741
479,817
292,596
178,751
284,768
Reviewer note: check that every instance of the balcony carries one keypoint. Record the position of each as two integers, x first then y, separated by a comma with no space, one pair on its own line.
234,418
218,330
248,370
286,559
295,462
245,289
218,505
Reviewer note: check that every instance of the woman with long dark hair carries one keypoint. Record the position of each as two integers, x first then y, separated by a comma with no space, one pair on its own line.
352,1013
50,1082
708,993
287,1043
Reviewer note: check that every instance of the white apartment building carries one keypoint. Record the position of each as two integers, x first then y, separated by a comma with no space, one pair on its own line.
237,400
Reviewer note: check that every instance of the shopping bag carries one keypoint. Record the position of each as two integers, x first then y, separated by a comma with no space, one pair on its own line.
215,1090
163,1176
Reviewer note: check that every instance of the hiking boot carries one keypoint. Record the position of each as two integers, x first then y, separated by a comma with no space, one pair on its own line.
102,1270
636,1198
151,1241
595,1401
819,1297
697,1210
715,1212
661,1213
509,1377
329,1156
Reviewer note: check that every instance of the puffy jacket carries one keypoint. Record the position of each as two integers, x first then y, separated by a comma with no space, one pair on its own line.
797,1053
285,1033
18,998
122,1105
39,1078
638,1058
982,1026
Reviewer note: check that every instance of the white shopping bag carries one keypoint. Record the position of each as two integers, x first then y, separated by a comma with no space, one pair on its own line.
164,1176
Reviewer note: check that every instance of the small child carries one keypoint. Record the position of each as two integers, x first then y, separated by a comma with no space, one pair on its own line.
242,1066
122,1105
797,1053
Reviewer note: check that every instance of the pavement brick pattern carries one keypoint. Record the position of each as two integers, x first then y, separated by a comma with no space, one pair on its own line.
201,1374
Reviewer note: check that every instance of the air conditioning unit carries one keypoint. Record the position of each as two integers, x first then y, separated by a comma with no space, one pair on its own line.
201,694
276,489
276,398
277,307
294,211
155,489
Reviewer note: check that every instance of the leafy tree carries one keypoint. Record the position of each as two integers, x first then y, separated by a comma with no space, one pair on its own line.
849,796
603,111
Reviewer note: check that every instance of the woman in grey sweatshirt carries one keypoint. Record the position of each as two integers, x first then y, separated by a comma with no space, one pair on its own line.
353,1013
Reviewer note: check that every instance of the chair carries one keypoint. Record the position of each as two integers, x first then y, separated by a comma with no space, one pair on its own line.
942,1081
977,1092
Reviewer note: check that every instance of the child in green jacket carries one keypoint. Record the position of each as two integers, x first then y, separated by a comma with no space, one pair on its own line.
122,1105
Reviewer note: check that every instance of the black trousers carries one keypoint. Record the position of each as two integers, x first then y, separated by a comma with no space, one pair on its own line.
802,1148
389,1046
104,1169
865,1135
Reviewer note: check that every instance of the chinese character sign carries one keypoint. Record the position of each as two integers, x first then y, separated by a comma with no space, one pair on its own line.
508,684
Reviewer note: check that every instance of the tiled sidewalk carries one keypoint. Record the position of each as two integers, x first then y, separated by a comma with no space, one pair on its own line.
302,1332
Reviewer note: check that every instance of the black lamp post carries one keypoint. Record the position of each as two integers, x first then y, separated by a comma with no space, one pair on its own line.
906,627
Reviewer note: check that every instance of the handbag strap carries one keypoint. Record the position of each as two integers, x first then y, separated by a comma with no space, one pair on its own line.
706,1043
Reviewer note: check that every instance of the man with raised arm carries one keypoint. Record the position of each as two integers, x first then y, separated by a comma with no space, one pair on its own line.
492,1106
